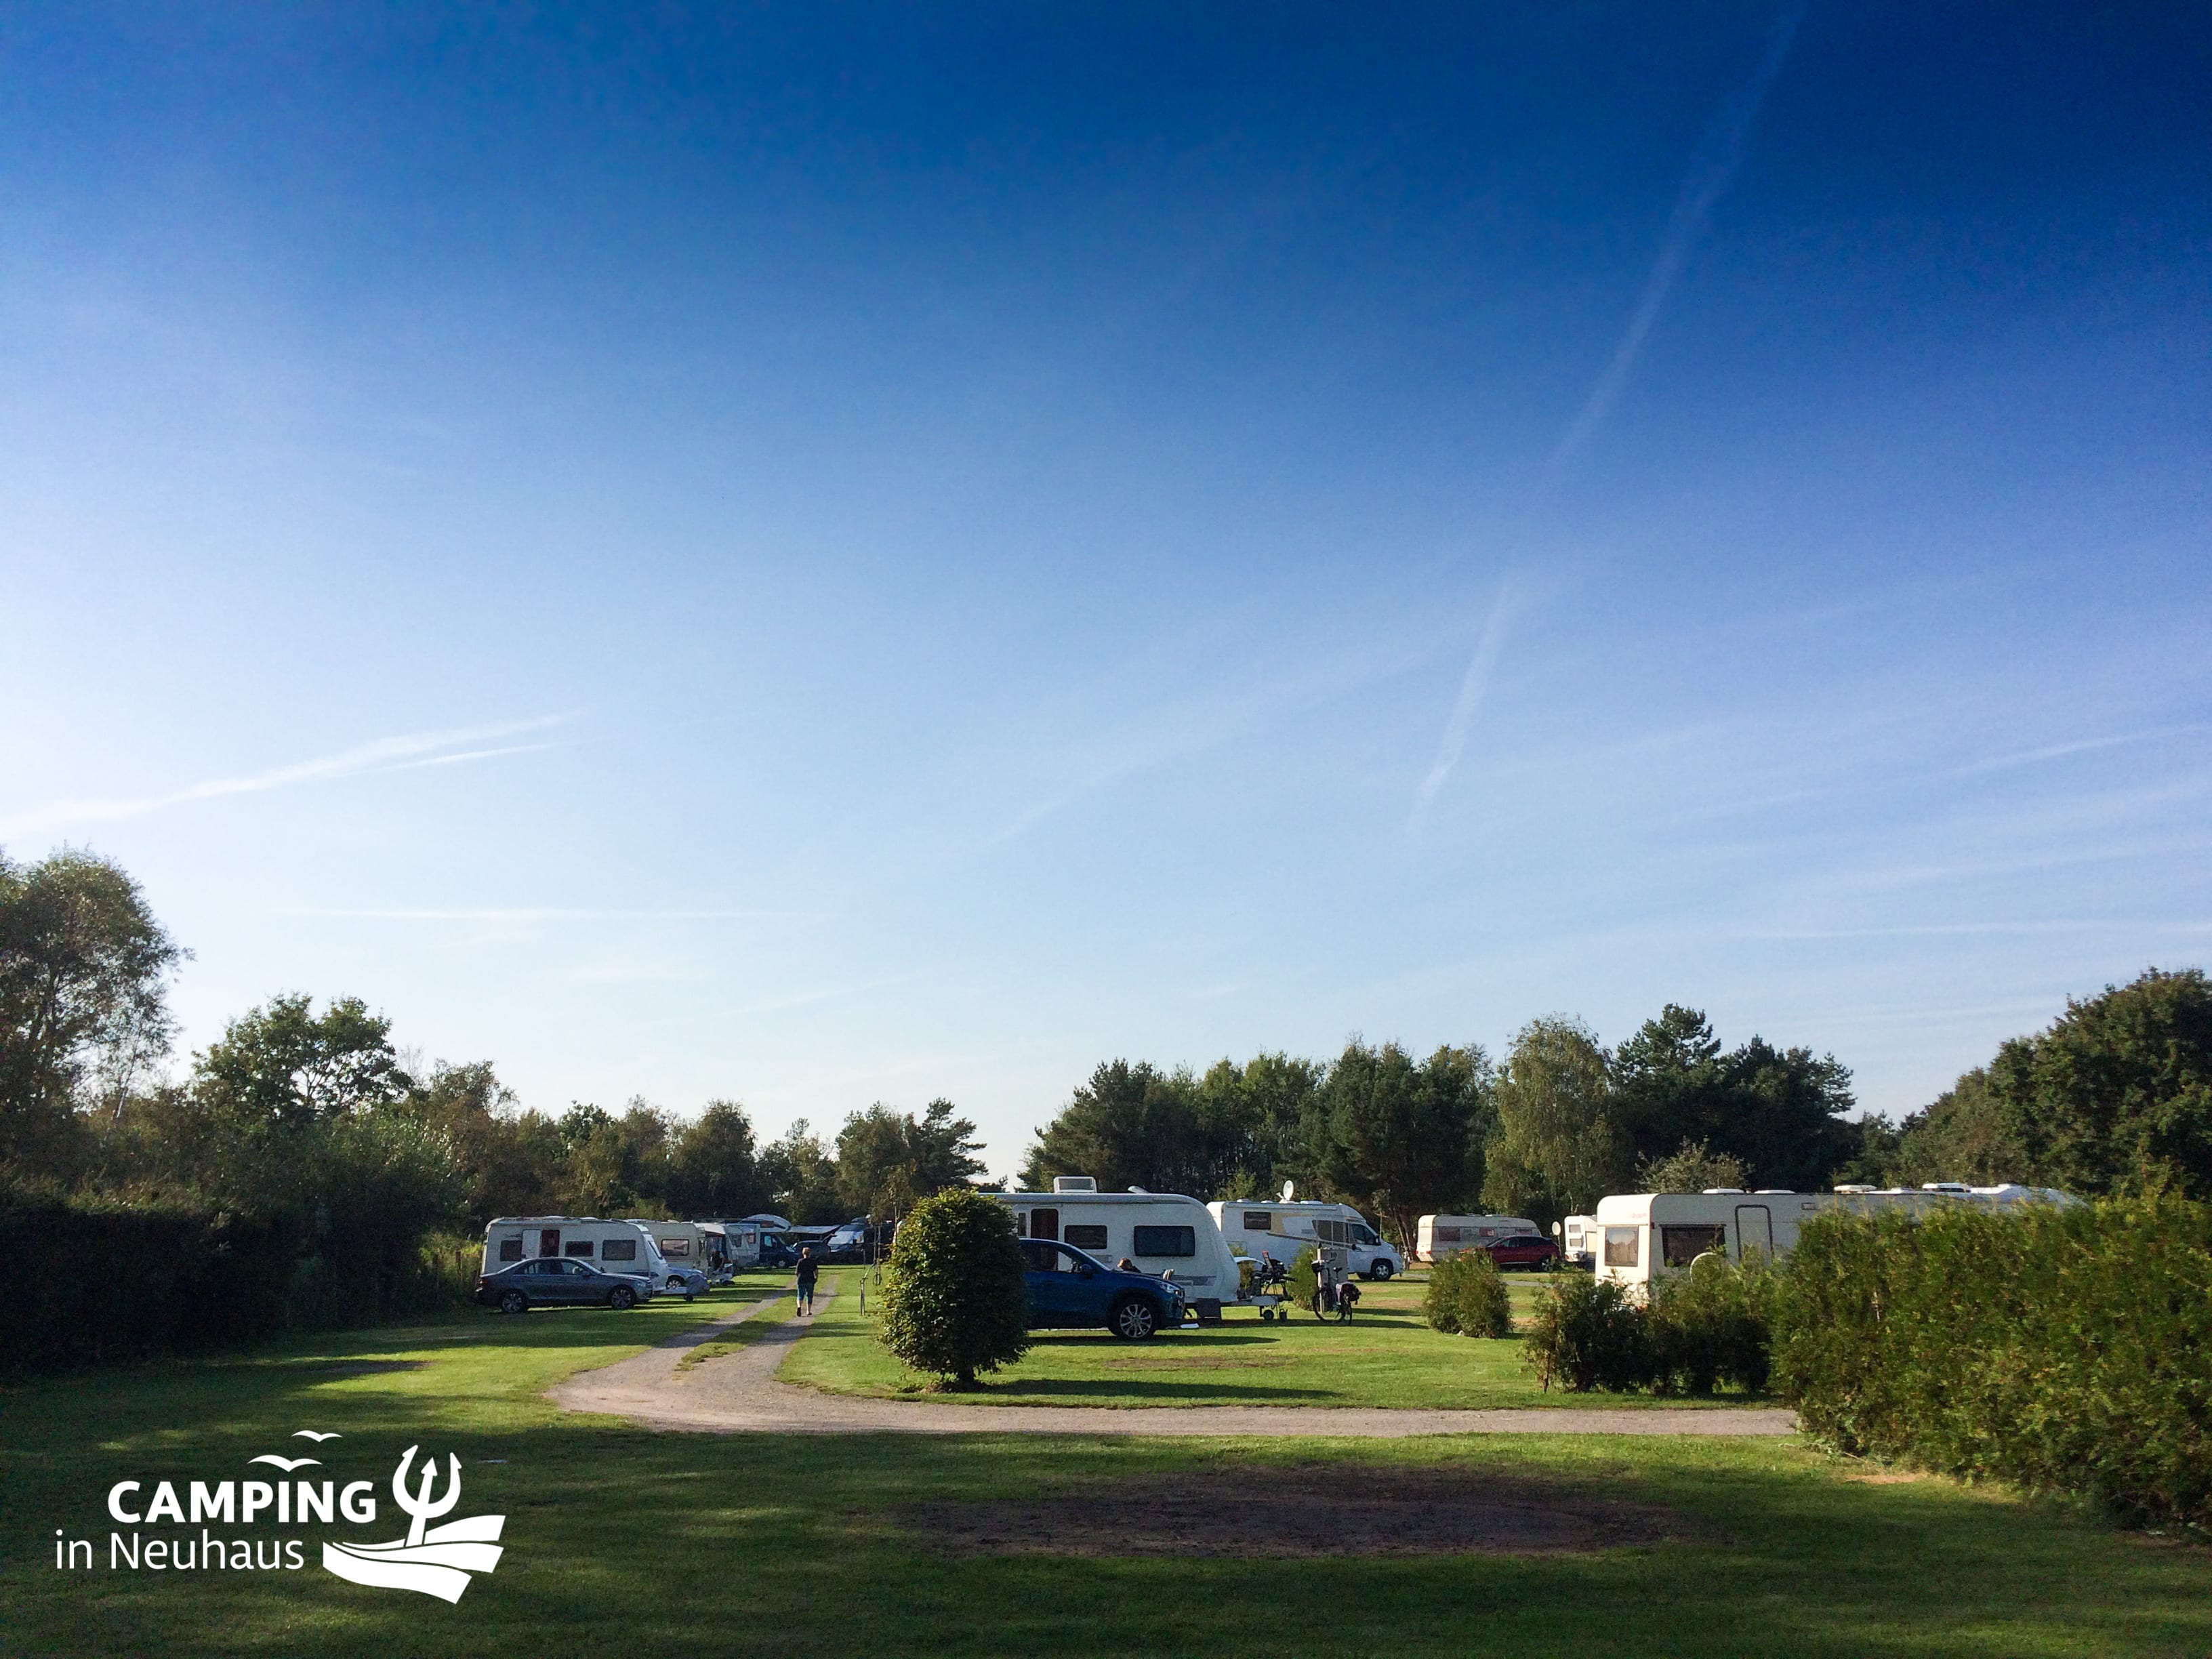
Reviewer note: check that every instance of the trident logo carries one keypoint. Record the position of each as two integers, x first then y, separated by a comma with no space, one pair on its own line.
420,1506
435,1560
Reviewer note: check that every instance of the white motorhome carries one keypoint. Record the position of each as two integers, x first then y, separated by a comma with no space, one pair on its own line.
1158,1232
1257,1227
1436,1237
1643,1235
1577,1237
615,1246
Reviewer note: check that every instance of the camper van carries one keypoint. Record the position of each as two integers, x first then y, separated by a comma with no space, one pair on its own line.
1257,1227
615,1246
1438,1237
1647,1234
1160,1232
1577,1237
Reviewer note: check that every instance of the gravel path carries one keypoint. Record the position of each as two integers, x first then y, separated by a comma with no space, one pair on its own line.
739,1393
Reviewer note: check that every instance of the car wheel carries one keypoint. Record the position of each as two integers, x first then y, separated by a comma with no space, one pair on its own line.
1134,1319
514,1303
622,1296
1381,1270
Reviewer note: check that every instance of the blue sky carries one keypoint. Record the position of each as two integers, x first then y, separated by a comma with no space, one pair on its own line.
834,553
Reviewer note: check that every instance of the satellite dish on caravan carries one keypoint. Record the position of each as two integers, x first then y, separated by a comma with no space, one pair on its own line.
1288,1185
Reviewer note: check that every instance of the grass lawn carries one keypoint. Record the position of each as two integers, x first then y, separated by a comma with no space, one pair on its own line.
1388,1356
622,1540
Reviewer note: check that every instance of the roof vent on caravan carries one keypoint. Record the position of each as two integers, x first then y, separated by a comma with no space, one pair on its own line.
1856,1188
1712,1191
1944,1187
1140,1189
1075,1183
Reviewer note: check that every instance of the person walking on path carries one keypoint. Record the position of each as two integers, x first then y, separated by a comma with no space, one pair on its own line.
808,1270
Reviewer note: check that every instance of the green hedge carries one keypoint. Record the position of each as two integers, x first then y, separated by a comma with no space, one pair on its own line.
2063,1350
1467,1296
94,1282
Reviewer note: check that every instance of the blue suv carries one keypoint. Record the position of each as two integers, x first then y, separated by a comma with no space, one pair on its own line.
1069,1288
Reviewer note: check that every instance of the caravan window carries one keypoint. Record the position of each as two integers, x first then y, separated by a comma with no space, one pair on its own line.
1445,1235
579,1247
1332,1232
675,1247
619,1249
510,1249
1084,1235
1167,1241
1621,1246
1680,1246
1258,1221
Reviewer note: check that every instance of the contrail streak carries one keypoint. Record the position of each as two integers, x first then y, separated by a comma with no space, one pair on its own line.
1712,168
1469,705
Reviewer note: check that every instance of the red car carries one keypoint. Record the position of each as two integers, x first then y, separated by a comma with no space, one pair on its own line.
1530,1250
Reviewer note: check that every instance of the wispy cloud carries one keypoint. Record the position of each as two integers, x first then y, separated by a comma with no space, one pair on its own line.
2085,746
392,754
1472,687
1712,168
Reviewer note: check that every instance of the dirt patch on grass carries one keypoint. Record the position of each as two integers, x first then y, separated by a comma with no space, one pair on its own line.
1302,1512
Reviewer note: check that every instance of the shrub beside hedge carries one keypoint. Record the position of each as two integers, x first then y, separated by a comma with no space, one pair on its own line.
2062,1350
1696,1332
1467,1296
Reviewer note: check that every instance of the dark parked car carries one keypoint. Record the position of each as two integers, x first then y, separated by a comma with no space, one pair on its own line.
1530,1250
777,1252
1070,1289
552,1281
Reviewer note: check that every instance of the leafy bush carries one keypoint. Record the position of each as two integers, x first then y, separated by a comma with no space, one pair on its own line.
1588,1334
955,1303
1710,1327
2062,1350
1304,1280
1467,1296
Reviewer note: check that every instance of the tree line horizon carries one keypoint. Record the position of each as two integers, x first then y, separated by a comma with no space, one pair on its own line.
321,1116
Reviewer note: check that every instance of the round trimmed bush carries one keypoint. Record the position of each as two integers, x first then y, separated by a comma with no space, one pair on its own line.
954,1300
1467,1296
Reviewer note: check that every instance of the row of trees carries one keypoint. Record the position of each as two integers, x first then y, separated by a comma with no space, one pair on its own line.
2116,1096
1556,1124
316,1120
311,1127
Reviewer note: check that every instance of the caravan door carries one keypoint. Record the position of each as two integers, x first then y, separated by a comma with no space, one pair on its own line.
1754,1231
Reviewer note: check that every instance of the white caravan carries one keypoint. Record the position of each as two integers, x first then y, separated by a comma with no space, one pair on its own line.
1577,1237
1158,1232
615,1246
1646,1234
683,1245
732,1246
1257,1227
1436,1237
